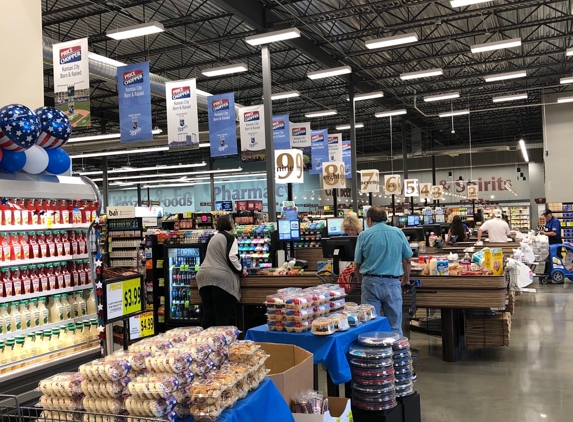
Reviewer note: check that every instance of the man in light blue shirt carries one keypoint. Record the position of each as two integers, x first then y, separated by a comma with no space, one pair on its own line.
381,258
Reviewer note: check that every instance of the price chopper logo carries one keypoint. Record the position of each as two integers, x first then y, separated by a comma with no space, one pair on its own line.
180,93
71,54
332,140
298,131
317,138
222,104
251,116
279,125
133,77
345,147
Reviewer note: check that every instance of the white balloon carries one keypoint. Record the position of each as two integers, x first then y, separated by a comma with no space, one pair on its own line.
36,160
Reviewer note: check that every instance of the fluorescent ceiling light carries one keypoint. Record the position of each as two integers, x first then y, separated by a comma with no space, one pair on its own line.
284,95
440,97
510,98
134,169
505,76
225,70
106,136
321,113
203,93
524,150
125,183
123,152
367,96
461,3
392,41
562,100
496,45
136,31
347,127
105,59
274,36
187,173
391,113
421,74
567,80
204,145
454,113
569,52
327,73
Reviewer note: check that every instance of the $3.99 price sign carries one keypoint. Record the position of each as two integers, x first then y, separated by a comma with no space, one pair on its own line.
123,298
141,326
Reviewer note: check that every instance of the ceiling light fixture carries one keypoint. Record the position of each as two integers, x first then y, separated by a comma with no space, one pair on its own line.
106,136
328,73
105,60
440,97
454,113
284,95
462,3
421,74
321,113
391,113
367,96
187,173
562,100
524,150
122,152
204,145
274,36
147,28
505,76
391,41
513,97
496,45
225,70
347,127
567,80
569,52
134,169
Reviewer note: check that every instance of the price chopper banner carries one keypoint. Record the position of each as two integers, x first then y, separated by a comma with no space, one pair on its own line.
222,125
252,129
134,95
72,80
319,150
346,158
182,120
300,138
335,147
281,132
370,181
289,166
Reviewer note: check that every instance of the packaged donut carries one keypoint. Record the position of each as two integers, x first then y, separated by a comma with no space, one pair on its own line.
204,392
153,387
66,384
61,403
107,369
99,405
107,389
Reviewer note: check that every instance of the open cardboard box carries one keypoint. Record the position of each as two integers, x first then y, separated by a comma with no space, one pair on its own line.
291,369
339,410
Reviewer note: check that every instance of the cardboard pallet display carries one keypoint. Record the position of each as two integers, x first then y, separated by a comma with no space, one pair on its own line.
488,331
510,302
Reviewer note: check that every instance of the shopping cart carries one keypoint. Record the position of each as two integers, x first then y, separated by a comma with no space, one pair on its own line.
346,280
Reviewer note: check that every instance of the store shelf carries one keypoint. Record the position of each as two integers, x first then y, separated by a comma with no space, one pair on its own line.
40,227
42,260
47,326
44,294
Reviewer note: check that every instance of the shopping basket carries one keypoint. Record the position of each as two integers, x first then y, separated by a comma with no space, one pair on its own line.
346,280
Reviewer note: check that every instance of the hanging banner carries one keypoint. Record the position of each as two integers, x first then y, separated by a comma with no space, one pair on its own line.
72,80
182,120
392,184
252,129
299,135
134,95
289,166
370,181
281,132
426,191
347,159
222,125
335,147
472,191
333,175
319,149
411,187
437,192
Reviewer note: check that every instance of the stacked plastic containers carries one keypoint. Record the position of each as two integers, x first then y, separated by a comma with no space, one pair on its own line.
403,368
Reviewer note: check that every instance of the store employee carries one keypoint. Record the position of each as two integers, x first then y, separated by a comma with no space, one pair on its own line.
552,228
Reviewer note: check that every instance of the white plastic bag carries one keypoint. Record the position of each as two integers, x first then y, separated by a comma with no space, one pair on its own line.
528,255
520,275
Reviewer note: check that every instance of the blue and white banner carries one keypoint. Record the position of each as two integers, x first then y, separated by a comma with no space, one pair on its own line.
319,150
346,159
281,132
300,135
252,130
134,95
335,147
222,125
182,120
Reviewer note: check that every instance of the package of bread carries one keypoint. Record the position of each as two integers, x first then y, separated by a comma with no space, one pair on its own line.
154,345
198,351
55,415
105,389
99,405
171,361
181,334
201,367
241,351
215,340
135,359
65,384
230,332
61,403
107,369
149,408
153,386
204,391
205,413
90,417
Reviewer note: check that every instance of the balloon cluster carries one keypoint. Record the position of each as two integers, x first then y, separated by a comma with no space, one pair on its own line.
32,140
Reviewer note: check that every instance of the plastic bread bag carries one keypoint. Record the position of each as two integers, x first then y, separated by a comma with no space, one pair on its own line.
153,386
181,334
105,369
149,408
89,417
205,392
242,350
230,332
153,345
205,413
61,403
198,351
135,359
66,384
107,389
171,361
54,415
98,405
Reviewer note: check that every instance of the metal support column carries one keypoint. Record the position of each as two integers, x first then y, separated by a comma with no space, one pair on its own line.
353,161
268,107
139,196
105,186
212,184
335,201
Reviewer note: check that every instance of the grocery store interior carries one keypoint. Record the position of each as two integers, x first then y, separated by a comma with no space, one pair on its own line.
129,128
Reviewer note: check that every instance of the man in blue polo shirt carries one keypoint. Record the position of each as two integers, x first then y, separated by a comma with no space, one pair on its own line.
381,258
552,228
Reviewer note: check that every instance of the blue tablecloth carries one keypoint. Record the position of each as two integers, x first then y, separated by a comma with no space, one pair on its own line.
330,350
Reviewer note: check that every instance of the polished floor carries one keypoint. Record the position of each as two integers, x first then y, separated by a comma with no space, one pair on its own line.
531,380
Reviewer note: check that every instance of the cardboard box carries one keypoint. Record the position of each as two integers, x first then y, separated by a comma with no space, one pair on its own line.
338,411
291,369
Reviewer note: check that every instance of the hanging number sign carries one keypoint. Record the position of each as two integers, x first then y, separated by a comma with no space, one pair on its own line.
392,184
370,181
411,187
472,192
333,175
289,166
437,193
425,191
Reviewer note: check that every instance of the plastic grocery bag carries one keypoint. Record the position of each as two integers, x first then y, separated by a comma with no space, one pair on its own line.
527,251
520,275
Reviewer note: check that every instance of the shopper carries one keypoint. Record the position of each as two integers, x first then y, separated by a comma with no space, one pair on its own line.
351,226
552,228
218,277
347,278
382,256
496,228
458,229
450,214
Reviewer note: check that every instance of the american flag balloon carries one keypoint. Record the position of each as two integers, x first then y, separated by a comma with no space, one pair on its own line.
55,127
19,127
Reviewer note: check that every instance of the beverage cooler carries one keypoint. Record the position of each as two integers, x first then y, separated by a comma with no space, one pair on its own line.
182,262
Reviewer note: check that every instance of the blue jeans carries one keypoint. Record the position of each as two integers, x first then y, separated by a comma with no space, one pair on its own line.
385,294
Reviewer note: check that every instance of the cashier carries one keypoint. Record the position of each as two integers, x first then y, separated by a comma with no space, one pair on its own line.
552,228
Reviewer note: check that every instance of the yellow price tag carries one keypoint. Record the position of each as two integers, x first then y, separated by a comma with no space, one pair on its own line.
146,327
131,302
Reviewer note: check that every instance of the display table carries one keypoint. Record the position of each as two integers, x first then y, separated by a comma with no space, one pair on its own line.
328,350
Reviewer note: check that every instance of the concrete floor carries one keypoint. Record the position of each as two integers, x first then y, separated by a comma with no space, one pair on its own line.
531,380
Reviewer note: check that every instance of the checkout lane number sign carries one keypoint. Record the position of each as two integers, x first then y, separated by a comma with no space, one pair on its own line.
124,297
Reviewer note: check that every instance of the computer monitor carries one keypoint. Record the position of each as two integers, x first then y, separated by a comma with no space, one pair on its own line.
224,206
333,226
414,234
429,219
289,230
440,218
445,228
413,220
339,249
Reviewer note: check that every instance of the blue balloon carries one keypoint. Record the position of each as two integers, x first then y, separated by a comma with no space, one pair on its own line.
12,162
59,161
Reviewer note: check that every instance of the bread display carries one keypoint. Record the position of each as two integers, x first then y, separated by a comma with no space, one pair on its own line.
205,392
149,408
61,403
108,389
99,405
153,386
242,350
107,369
66,384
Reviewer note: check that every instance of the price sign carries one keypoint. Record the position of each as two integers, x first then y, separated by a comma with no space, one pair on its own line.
289,166
392,184
370,181
411,187
473,192
425,191
333,175
141,326
437,193
123,297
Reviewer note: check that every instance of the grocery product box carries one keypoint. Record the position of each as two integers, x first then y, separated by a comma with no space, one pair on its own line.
324,266
338,411
291,369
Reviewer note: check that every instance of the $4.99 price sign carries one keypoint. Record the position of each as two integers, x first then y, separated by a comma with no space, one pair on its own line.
141,326
123,298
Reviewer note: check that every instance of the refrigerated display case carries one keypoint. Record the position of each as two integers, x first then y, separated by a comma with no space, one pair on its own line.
181,266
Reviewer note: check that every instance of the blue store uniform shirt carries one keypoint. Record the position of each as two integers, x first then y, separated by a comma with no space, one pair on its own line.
381,249
554,225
